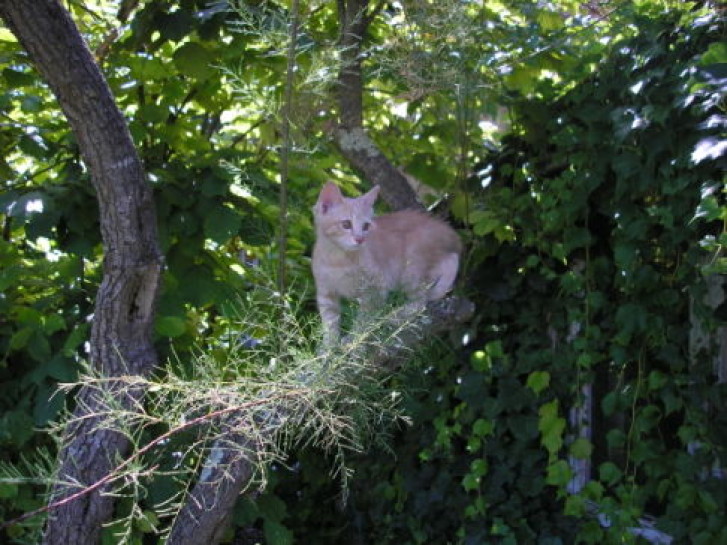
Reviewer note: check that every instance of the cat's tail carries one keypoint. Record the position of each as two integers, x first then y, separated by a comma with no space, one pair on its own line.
443,276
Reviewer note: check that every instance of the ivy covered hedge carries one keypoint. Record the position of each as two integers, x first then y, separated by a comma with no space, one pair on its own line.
596,230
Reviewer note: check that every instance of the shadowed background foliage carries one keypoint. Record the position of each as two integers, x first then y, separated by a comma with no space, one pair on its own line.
577,147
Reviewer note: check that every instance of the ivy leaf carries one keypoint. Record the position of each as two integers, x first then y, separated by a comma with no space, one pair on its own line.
271,507
581,448
482,427
559,473
538,381
470,482
609,473
575,506
551,427
277,534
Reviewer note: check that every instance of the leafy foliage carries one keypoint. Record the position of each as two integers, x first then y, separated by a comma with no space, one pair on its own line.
593,251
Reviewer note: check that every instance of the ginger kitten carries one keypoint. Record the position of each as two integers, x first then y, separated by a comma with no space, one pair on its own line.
359,256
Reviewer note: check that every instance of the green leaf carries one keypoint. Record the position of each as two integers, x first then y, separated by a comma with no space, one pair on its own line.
222,224
277,534
153,113
715,54
609,473
20,338
16,78
31,104
9,276
538,381
549,20
148,522
171,326
482,427
479,467
271,507
145,68
494,349
48,404
16,427
39,347
32,146
481,361
657,380
194,60
75,339
53,323
470,482
559,473
8,490
62,369
7,36
581,448
575,506
246,511
29,316
551,427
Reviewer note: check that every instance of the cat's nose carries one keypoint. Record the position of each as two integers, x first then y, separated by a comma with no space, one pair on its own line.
358,240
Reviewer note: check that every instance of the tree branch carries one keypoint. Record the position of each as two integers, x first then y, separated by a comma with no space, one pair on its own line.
228,472
351,138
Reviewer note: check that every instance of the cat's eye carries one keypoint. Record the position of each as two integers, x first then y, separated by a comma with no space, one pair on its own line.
366,226
346,224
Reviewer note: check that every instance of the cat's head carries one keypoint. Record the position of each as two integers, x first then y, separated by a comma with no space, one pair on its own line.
346,222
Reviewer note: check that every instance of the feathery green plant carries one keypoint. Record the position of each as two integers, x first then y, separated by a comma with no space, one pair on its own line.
265,397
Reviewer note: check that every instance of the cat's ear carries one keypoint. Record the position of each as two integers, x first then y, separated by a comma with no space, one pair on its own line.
370,198
329,197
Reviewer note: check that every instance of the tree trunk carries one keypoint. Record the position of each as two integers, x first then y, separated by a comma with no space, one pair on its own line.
121,335
351,138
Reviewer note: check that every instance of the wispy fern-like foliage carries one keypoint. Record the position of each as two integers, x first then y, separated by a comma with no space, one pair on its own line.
257,397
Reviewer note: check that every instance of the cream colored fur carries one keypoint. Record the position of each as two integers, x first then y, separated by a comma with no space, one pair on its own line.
359,256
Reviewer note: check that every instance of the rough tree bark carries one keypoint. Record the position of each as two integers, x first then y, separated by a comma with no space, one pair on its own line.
125,304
